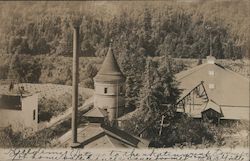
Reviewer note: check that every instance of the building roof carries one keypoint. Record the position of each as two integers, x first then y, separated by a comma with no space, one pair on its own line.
110,70
242,113
96,112
229,88
212,105
11,102
99,136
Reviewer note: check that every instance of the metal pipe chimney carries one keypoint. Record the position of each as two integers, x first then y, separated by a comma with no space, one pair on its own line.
76,49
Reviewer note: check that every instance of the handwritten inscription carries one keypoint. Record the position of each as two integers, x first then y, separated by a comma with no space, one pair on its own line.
126,154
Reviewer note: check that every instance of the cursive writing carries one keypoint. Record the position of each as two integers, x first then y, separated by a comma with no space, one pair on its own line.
126,154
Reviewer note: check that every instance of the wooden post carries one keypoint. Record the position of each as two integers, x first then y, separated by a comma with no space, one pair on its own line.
161,125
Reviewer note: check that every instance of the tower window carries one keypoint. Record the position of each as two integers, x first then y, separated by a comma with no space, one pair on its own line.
34,114
105,90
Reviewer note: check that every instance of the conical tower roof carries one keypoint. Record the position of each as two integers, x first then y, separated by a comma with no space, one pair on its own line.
110,71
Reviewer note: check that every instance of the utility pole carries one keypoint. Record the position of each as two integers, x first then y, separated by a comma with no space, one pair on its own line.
210,44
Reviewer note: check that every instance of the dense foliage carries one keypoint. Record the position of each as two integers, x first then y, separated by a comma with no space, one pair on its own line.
24,70
180,30
159,87
91,72
49,108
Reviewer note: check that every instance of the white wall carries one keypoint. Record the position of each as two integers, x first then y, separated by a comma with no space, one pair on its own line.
111,99
112,89
21,119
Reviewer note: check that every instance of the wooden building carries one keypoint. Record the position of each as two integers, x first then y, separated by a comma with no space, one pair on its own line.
227,89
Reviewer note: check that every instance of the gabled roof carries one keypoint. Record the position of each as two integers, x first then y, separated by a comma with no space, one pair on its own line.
96,112
232,113
98,136
110,70
231,89
106,141
212,105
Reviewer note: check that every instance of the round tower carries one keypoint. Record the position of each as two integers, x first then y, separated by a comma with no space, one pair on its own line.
109,87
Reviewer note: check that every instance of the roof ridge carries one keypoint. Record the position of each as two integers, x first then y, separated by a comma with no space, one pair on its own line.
121,134
119,138
196,68
95,137
191,70
233,72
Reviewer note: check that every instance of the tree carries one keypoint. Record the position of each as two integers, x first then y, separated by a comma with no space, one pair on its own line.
27,71
14,63
65,45
132,63
91,72
217,48
159,87
49,107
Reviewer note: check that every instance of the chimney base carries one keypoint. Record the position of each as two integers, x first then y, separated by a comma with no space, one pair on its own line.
75,145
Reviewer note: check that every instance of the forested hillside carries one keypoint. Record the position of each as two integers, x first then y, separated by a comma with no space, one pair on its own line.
149,28
152,41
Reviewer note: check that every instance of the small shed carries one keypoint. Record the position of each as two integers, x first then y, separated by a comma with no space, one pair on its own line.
212,112
96,115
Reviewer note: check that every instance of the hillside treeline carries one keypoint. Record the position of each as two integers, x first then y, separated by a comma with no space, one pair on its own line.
182,30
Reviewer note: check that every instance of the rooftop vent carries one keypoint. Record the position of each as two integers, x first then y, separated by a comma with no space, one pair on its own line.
210,59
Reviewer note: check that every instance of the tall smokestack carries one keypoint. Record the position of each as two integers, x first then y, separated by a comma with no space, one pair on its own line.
76,48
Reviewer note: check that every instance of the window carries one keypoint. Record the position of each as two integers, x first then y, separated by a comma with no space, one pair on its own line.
34,114
211,72
121,89
105,90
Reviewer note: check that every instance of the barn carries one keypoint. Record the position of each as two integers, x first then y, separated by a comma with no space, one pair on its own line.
212,89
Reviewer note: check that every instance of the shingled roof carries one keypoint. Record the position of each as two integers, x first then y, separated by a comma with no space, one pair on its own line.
110,70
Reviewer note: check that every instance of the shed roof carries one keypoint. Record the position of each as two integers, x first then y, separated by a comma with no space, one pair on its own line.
110,70
228,112
96,112
212,105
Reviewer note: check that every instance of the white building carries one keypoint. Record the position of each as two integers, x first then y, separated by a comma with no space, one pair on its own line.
19,112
